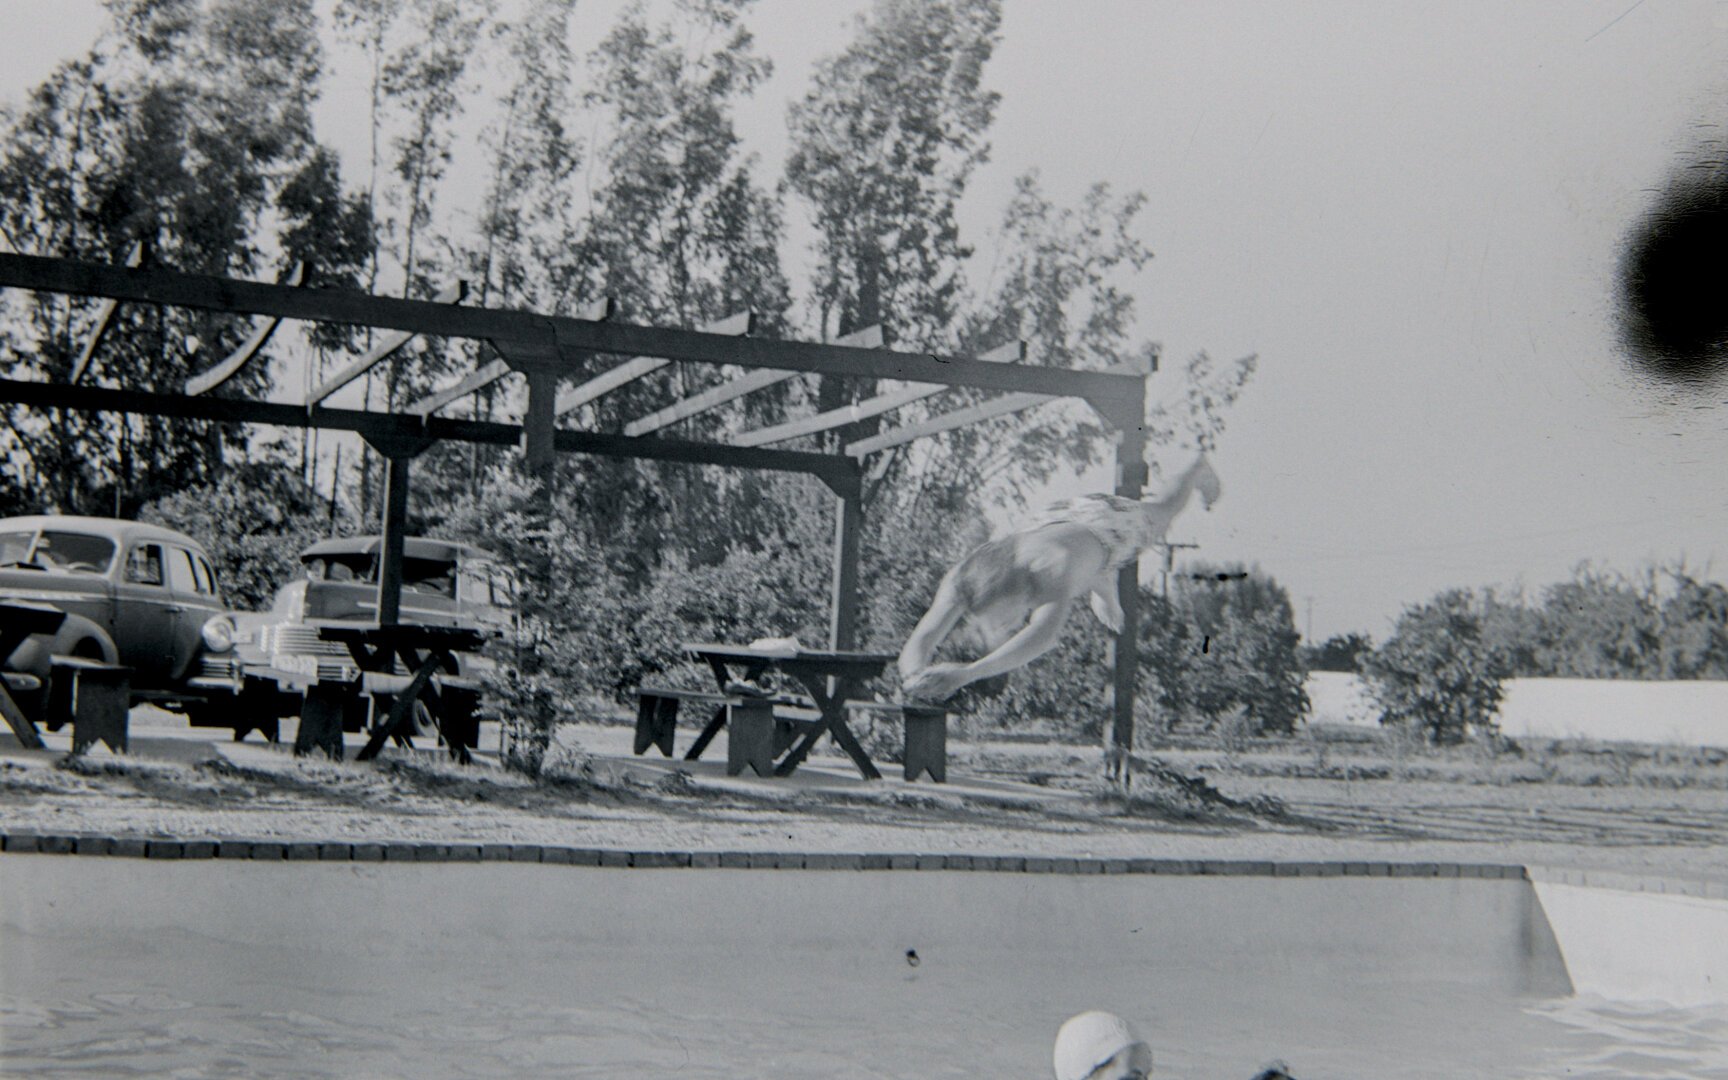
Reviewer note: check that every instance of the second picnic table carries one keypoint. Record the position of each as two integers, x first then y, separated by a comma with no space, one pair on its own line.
831,678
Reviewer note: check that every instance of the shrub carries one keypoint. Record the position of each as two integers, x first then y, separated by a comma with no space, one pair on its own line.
1436,672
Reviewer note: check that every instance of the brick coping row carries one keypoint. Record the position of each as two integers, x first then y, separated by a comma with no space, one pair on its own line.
314,851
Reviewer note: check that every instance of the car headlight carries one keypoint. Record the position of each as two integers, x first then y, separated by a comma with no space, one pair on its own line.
218,633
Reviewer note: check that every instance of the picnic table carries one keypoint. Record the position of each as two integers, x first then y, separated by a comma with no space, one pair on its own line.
425,652
17,622
831,679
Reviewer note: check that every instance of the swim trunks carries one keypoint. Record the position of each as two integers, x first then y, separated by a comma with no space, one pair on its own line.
1121,525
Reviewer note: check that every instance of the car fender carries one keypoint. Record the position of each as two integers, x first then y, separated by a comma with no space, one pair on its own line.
77,636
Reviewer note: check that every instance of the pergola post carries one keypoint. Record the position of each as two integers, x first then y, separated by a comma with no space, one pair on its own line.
1126,413
539,424
848,488
848,520
1124,649
398,453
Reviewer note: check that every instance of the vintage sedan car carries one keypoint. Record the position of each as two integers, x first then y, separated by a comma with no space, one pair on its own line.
137,595
444,583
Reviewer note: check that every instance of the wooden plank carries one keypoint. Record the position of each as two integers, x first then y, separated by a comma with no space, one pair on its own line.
577,396
382,350
104,318
497,369
209,380
1007,403
476,380
1012,352
573,337
868,338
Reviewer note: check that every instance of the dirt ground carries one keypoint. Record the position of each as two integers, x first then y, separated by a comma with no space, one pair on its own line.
1650,811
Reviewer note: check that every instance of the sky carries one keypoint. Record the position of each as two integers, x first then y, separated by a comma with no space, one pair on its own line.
1412,214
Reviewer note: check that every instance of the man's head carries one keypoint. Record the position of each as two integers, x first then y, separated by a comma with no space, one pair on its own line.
1100,1046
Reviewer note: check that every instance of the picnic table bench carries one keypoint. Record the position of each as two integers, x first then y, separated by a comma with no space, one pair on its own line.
93,696
765,726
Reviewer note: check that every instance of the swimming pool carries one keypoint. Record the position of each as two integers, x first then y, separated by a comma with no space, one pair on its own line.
219,968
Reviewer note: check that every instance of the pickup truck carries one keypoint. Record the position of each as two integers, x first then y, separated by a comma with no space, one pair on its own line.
136,595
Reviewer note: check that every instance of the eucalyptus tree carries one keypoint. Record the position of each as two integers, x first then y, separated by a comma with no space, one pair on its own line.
418,55
679,231
186,128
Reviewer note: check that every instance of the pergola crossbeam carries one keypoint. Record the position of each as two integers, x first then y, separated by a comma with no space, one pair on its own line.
570,400
573,338
380,426
206,381
1012,352
485,376
382,350
870,337
972,414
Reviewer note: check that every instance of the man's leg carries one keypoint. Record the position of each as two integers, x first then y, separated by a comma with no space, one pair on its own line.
1037,637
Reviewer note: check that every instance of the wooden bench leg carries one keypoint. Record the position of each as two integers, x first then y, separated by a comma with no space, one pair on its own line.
458,723
926,743
750,738
321,721
656,719
22,726
101,700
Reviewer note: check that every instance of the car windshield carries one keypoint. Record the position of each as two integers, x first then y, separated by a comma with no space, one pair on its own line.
78,553
15,545
435,576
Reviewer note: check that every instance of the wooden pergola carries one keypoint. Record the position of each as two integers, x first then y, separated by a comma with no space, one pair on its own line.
548,351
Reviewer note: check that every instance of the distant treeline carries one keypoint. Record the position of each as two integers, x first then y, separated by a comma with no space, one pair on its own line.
1661,623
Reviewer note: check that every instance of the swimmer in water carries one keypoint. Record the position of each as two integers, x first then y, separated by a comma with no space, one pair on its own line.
1102,1046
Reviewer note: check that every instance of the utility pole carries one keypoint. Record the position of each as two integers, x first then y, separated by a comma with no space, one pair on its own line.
1308,633
1170,564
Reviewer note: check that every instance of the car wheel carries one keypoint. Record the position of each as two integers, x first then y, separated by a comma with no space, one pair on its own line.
424,723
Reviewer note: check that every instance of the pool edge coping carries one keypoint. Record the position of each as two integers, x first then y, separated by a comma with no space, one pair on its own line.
262,850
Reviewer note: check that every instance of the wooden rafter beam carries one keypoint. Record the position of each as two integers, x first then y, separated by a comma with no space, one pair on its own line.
972,414
1011,353
572,339
600,385
206,381
497,369
382,350
104,319
868,338
376,426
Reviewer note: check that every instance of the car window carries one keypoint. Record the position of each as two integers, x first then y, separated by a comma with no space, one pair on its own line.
181,576
77,552
14,546
144,565
206,576
429,576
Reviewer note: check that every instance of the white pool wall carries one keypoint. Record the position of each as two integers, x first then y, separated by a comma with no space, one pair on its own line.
1482,932
1629,938
1692,712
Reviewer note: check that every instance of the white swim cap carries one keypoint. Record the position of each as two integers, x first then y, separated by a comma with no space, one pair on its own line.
1088,1040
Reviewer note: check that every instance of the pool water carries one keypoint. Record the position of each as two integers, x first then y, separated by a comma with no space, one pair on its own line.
115,966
